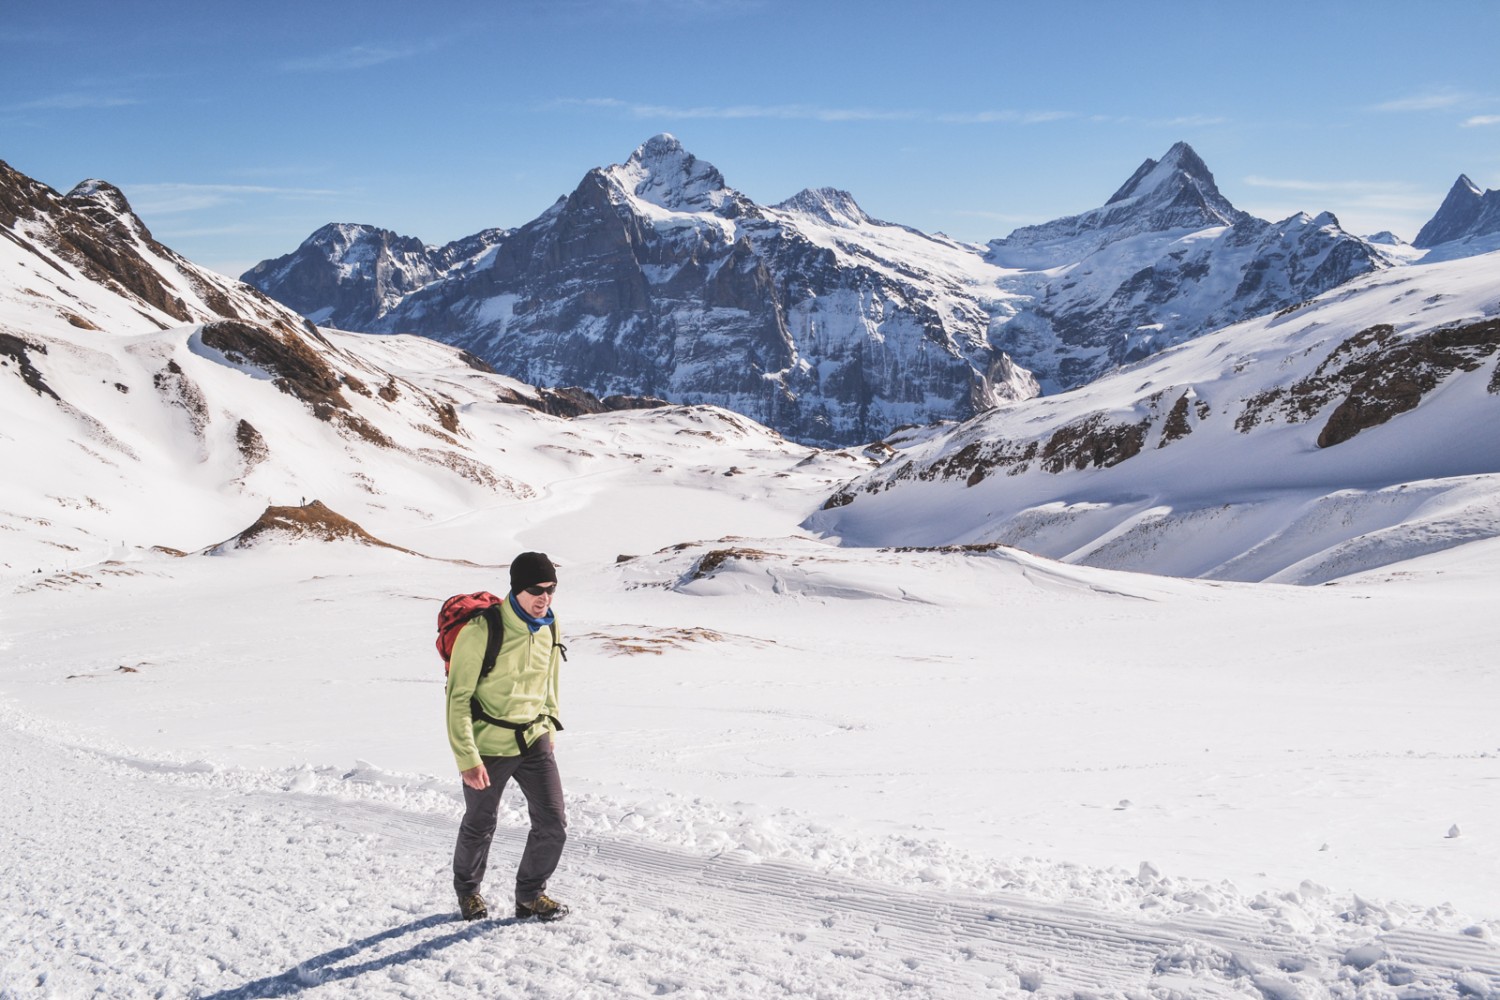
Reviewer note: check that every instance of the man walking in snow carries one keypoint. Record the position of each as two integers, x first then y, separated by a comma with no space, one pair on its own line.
501,725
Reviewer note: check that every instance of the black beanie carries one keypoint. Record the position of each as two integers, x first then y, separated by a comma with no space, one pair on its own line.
530,568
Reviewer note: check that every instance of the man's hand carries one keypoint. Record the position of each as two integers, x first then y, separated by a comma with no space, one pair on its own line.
477,778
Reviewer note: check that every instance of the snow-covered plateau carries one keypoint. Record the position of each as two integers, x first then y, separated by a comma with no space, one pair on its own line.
795,768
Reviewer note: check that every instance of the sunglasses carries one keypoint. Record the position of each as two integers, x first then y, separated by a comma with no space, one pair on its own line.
551,588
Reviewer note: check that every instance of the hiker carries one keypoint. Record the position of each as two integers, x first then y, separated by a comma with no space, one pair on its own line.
501,724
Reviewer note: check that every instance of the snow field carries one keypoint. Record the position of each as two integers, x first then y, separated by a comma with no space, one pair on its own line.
780,782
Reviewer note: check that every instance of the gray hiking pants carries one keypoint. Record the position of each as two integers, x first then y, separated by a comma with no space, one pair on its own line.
536,772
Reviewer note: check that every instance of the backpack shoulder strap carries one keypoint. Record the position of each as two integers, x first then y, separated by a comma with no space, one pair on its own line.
557,643
492,644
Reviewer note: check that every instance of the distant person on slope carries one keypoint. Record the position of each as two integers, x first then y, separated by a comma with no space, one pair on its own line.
501,725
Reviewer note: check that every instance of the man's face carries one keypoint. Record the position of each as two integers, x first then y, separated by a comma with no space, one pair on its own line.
536,604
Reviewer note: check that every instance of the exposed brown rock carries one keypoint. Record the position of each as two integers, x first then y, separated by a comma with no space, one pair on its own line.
1375,375
311,520
1396,379
447,414
715,558
1093,442
180,391
298,370
1177,426
842,498
16,349
253,448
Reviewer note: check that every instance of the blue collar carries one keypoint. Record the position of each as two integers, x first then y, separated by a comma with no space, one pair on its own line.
532,623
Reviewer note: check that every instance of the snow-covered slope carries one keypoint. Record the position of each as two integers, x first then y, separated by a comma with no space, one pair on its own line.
1350,433
150,403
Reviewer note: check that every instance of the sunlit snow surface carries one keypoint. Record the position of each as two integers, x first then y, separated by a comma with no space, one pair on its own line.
1231,499
813,771
794,768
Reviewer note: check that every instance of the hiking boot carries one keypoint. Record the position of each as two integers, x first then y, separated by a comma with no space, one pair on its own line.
472,907
543,908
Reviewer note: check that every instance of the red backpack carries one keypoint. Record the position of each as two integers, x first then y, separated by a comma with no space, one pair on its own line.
460,609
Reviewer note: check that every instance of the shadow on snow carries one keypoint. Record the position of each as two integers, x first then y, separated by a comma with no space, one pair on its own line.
326,968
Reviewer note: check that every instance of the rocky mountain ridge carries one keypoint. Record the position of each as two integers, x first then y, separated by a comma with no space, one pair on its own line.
654,276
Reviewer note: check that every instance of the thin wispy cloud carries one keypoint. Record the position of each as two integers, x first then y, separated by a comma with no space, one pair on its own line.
1434,100
1478,121
72,102
808,112
355,57
1392,196
1298,184
785,112
1005,117
1183,121
172,198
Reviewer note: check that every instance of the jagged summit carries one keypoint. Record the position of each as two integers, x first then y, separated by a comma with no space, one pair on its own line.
653,277
1466,212
1179,180
831,205
1174,193
662,172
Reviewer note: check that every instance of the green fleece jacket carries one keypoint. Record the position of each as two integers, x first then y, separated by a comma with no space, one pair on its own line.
522,686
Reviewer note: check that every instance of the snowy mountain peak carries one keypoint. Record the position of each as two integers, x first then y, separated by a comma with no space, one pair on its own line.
1174,194
663,173
1466,212
104,193
827,204
1181,161
1180,180
339,234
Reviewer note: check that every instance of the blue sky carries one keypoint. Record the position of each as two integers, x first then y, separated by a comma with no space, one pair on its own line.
238,129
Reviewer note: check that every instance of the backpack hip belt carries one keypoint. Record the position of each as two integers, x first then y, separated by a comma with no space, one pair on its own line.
519,728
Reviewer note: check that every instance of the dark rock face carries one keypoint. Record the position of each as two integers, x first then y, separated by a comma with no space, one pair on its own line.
18,351
1392,380
299,371
355,273
1464,213
1373,376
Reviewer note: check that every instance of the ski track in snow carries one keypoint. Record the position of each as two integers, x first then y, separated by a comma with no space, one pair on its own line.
144,882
